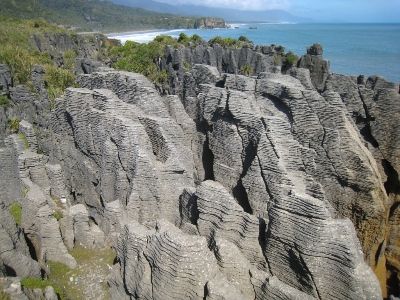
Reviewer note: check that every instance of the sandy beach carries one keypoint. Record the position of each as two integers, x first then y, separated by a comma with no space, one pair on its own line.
141,36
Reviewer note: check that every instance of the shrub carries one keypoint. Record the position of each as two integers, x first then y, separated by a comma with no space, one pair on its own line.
69,59
4,102
13,125
16,212
20,62
216,40
226,42
243,39
196,38
183,38
246,70
56,81
280,49
291,59
142,58
186,65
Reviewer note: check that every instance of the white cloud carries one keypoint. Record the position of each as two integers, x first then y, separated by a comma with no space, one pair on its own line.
237,4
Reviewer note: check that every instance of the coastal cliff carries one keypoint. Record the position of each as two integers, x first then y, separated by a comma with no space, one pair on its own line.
281,185
210,23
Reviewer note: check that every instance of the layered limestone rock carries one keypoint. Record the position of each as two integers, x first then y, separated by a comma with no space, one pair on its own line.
37,220
373,104
128,147
318,66
237,188
85,233
15,258
226,60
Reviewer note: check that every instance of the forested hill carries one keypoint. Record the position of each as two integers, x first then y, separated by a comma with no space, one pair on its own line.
93,15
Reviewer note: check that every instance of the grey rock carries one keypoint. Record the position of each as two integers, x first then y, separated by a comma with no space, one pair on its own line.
49,293
256,177
270,287
43,229
27,130
5,78
156,145
318,66
315,49
373,104
219,288
58,189
210,23
10,182
235,266
221,216
14,252
85,233
168,251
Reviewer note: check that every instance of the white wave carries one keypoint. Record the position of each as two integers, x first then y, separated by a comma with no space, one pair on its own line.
143,37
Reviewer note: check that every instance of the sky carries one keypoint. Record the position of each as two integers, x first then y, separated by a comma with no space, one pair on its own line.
323,10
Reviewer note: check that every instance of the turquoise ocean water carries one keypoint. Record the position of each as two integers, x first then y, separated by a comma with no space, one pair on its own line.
352,49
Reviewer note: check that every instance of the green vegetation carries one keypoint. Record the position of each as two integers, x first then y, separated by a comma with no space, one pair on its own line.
290,59
58,215
13,125
37,283
4,102
56,81
186,65
229,42
246,70
16,212
3,295
276,59
23,137
243,39
15,37
183,38
196,38
94,15
142,58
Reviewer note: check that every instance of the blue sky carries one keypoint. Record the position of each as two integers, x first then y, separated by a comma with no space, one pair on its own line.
328,10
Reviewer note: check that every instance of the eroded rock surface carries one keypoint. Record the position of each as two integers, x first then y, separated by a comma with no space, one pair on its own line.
268,187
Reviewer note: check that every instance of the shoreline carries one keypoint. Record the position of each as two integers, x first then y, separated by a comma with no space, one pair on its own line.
144,31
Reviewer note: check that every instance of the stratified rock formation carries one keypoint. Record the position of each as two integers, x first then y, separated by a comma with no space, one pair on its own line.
277,186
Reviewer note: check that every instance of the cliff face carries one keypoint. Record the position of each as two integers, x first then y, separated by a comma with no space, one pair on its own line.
269,187
210,23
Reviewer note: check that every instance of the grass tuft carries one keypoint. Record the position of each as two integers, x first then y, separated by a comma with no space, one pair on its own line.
23,137
58,215
4,102
16,212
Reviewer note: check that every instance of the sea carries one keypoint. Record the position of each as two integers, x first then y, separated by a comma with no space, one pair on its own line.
352,49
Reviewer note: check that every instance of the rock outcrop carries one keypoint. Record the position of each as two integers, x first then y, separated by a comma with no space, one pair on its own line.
318,66
210,23
267,187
